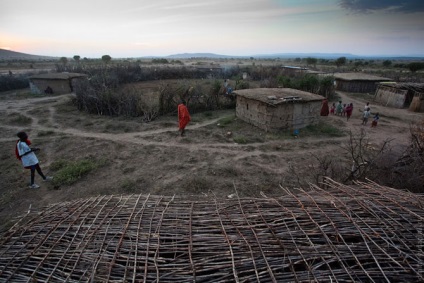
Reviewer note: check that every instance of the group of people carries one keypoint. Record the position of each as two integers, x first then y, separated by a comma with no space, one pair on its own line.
345,110
367,114
340,109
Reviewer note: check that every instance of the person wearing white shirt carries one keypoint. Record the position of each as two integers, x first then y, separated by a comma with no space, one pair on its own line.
29,159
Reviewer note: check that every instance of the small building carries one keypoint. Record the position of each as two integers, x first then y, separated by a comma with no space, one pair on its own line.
293,71
274,109
357,82
57,83
401,95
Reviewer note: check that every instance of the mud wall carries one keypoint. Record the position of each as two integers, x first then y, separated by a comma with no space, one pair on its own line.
292,115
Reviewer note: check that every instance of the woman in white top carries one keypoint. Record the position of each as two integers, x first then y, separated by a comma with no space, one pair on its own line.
29,159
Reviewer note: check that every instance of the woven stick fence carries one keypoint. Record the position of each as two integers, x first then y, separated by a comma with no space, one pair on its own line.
362,233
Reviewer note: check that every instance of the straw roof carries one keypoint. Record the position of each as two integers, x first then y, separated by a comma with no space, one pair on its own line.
275,96
58,76
359,77
361,233
418,87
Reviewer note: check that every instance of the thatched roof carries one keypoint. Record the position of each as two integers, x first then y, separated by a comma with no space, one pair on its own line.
295,68
275,96
57,76
417,87
359,77
362,233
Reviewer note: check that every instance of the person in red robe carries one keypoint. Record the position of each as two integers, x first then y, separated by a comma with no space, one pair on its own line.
349,109
324,108
183,117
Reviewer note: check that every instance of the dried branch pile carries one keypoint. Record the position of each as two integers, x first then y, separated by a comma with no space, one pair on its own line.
362,233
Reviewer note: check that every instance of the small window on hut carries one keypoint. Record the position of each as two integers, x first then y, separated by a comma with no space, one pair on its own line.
247,106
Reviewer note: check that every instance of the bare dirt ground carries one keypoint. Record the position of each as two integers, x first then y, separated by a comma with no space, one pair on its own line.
152,158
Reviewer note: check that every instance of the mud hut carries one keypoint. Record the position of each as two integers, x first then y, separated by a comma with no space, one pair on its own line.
357,82
56,83
359,233
273,109
401,95
293,71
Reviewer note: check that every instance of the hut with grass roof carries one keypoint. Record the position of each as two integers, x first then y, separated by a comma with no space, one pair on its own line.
54,83
401,95
357,82
274,109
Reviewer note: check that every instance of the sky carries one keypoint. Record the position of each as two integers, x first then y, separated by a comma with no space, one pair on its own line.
138,28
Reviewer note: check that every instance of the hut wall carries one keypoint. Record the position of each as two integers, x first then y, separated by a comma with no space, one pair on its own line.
390,96
252,111
282,116
417,104
306,114
58,86
356,86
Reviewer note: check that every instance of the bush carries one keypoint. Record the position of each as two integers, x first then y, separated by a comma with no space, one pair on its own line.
68,173
11,82
19,119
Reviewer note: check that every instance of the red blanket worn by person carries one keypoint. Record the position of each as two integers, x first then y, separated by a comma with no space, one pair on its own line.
324,109
183,116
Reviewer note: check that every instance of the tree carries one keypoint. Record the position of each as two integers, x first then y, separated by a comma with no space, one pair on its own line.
311,61
340,61
387,63
106,58
77,58
415,66
63,60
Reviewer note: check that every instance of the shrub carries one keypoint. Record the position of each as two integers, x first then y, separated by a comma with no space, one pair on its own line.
11,82
19,119
226,120
68,173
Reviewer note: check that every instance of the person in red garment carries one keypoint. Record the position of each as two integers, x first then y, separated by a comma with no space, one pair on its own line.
183,117
324,109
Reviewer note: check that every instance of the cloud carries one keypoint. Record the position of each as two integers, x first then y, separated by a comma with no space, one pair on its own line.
397,6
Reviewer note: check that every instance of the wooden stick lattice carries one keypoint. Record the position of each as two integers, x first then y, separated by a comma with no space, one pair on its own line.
359,233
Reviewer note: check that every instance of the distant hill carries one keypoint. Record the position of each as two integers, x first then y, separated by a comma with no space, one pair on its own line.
263,56
7,55
198,55
12,55
294,55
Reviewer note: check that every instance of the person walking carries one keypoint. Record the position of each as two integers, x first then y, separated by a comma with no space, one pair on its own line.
349,110
29,159
183,117
375,120
365,116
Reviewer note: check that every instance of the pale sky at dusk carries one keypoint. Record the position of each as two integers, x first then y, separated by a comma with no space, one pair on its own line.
136,28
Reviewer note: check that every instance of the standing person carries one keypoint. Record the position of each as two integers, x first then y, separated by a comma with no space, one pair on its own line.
183,117
365,116
333,108
367,106
375,120
349,110
339,108
324,108
29,159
